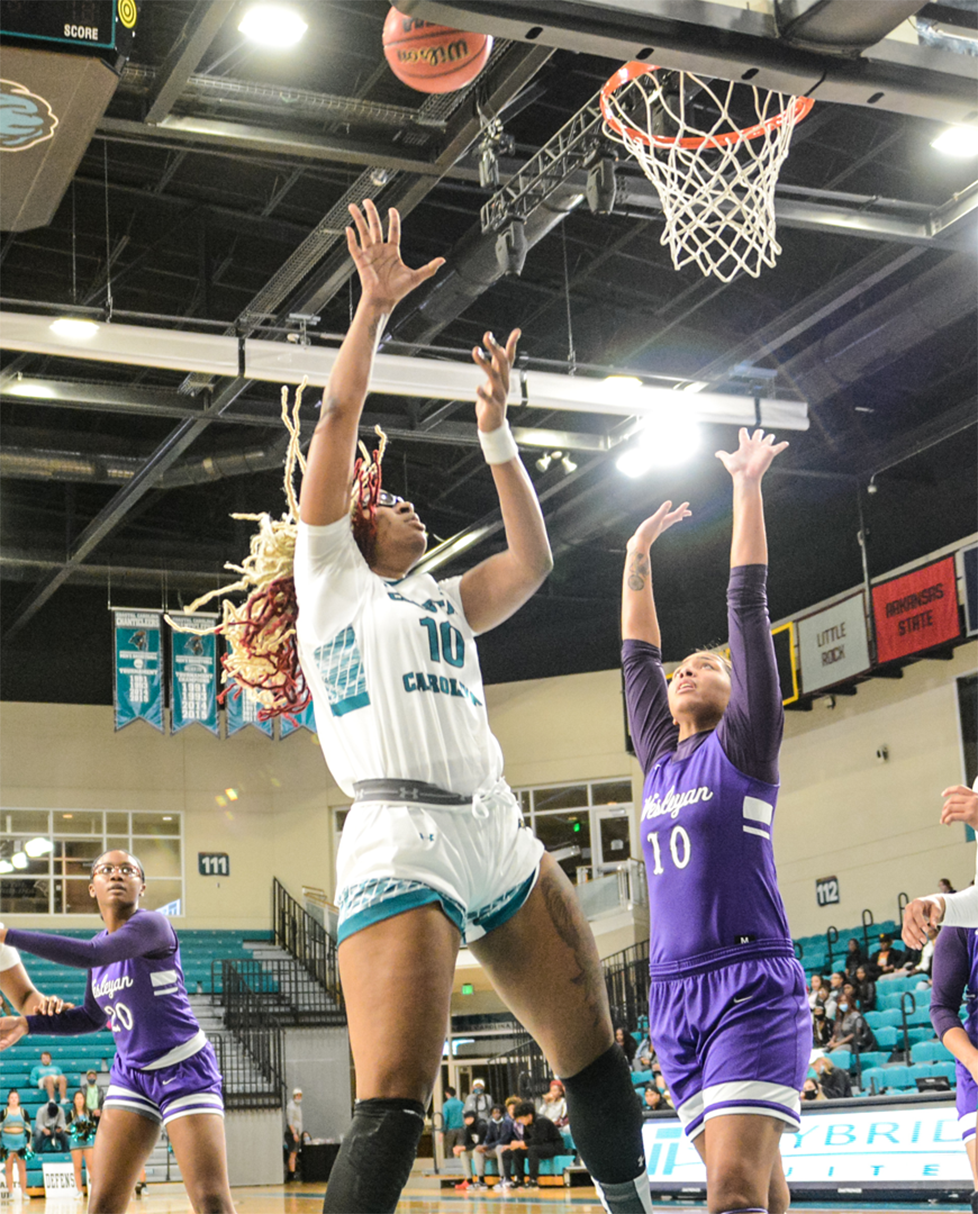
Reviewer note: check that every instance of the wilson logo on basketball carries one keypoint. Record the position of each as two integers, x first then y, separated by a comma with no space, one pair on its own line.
434,56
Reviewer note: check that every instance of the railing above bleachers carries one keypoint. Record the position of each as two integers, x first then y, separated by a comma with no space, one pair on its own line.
305,939
281,989
626,975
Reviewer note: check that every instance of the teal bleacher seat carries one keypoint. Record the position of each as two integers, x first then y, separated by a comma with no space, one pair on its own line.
873,1078
920,1016
899,1078
841,1058
887,999
641,1078
931,1051
873,1058
878,1018
945,1068
921,1033
887,1036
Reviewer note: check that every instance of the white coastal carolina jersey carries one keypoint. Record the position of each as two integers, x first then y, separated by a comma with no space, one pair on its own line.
9,957
393,669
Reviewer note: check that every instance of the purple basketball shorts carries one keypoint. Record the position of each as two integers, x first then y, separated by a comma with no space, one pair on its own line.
734,1038
966,1099
188,1087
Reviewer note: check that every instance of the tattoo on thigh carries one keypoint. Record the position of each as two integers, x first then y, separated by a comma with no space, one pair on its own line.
587,977
638,572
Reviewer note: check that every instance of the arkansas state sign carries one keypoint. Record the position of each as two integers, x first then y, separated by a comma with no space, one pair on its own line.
916,611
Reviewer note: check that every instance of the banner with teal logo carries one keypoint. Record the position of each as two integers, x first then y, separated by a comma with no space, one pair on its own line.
138,689
300,720
193,674
242,710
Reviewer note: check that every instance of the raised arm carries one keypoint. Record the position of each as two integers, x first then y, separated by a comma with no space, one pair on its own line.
385,280
639,621
497,587
747,466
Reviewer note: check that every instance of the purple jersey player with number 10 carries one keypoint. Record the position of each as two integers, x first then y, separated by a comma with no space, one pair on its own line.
165,1070
728,1013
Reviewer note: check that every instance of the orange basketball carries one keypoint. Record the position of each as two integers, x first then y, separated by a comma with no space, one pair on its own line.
433,58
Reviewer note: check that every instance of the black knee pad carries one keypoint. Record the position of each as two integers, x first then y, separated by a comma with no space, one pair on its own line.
375,1159
606,1118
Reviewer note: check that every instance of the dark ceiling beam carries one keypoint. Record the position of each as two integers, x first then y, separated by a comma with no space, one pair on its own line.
196,36
838,26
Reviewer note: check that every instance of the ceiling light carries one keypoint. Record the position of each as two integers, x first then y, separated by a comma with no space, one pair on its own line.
272,25
543,463
19,859
668,437
957,141
28,387
73,329
6,866
696,386
38,847
568,463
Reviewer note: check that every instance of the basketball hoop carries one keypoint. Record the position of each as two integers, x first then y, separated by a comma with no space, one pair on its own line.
716,183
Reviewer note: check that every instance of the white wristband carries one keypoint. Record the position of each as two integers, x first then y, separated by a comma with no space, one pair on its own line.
498,446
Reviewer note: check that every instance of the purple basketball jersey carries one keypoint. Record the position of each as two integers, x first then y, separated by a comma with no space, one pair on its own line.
706,837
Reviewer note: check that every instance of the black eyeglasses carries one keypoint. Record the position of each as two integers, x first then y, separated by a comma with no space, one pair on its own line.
124,870
388,499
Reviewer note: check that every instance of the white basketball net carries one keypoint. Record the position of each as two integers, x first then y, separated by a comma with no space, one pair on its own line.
717,196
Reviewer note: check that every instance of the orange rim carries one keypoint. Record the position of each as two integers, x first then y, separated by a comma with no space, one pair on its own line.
634,69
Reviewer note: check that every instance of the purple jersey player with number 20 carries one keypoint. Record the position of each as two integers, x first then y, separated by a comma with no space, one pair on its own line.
164,1070
728,1013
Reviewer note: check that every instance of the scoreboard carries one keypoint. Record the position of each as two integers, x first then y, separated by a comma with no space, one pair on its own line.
89,27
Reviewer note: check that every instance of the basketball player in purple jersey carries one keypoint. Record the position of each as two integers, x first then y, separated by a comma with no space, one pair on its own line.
955,979
164,1071
728,1013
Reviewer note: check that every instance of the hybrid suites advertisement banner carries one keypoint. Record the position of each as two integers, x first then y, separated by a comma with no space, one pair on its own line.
138,688
893,1146
193,676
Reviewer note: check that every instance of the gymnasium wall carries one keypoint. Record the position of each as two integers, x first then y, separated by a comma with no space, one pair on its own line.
842,813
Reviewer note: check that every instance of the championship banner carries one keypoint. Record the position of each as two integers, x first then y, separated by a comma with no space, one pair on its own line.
193,675
833,644
138,688
242,710
303,720
969,573
916,611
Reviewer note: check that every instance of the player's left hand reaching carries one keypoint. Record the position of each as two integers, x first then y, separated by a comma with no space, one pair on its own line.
754,455
497,362
12,1028
384,277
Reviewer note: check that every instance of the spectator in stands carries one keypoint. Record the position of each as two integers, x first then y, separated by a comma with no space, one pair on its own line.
817,983
293,1132
659,1080
854,956
945,886
94,1095
644,1053
48,1076
833,1080
510,1104
472,1136
865,991
652,1099
553,1105
452,1122
17,988
81,1137
499,1133
888,960
925,961
479,1100
627,1042
851,1028
538,1137
50,1131
811,1091
826,1000
821,1028
15,1137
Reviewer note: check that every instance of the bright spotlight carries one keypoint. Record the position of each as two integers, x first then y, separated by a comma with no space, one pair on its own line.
667,438
957,141
6,866
19,859
38,847
73,329
272,25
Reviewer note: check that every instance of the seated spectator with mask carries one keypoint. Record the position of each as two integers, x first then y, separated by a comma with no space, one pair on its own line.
821,1028
833,1081
865,991
499,1134
811,1091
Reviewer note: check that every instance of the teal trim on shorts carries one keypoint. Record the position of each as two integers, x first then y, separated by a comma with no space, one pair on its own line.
504,908
387,908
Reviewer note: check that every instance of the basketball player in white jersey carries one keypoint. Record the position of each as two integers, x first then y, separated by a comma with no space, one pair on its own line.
434,851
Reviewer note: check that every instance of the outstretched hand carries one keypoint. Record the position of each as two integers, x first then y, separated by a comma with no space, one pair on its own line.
12,1028
384,277
961,805
920,917
497,362
754,455
649,531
